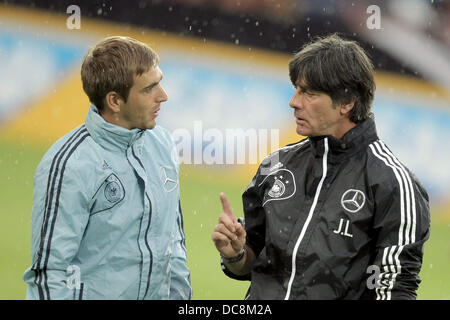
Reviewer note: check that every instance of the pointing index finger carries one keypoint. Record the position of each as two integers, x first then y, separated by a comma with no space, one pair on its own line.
226,206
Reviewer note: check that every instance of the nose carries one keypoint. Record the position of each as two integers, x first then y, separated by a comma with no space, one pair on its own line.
296,101
163,95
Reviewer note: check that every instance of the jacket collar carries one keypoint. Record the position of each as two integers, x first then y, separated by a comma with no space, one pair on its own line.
355,139
108,135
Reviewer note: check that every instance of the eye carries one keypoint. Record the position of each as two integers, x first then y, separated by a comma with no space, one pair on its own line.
148,89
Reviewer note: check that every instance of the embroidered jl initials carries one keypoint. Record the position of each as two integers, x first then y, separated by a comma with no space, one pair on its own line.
339,230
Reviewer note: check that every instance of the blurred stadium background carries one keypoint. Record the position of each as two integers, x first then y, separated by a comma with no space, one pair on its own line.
224,64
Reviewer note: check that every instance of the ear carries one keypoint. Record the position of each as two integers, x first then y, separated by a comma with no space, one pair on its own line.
113,101
346,108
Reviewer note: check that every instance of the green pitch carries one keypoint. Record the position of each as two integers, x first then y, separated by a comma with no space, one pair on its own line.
201,207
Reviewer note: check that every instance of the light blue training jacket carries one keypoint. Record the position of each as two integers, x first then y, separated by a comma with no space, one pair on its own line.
107,220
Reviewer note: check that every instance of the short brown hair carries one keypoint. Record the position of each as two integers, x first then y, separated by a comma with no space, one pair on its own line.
112,65
339,68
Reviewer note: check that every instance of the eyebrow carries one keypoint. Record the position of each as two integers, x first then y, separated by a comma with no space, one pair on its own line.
305,88
153,84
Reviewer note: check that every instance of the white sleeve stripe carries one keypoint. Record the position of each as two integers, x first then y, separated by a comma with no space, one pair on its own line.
392,267
407,228
380,289
406,192
402,193
413,198
410,199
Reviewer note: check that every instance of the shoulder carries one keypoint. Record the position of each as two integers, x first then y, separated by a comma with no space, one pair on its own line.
295,147
280,155
68,154
386,170
64,146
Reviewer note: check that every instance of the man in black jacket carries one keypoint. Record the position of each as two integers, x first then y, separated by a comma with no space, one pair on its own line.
336,215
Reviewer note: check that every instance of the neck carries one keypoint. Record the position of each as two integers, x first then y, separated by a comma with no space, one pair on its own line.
342,129
113,118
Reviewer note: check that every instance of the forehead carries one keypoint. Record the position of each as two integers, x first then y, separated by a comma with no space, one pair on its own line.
153,75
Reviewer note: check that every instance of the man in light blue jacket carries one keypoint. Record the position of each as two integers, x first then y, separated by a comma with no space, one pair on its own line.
107,220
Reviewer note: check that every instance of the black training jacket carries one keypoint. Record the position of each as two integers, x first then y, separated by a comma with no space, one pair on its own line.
335,219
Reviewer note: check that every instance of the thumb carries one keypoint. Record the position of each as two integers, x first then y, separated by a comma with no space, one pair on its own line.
226,206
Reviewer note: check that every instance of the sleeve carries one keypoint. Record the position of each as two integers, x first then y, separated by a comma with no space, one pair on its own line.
254,219
180,282
401,227
59,217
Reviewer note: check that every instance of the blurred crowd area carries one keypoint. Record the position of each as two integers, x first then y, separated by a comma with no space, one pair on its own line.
431,17
285,25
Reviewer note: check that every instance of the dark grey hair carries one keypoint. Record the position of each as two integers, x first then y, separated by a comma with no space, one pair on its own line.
339,68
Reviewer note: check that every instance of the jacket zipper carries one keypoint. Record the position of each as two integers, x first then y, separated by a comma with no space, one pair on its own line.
308,219
80,294
146,232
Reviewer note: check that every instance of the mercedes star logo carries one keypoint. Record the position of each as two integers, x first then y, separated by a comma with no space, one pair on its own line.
169,178
353,200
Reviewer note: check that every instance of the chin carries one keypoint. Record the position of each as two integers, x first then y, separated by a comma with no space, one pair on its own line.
300,131
151,126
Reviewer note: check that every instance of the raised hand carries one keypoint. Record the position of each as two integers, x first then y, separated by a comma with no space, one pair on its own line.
229,235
